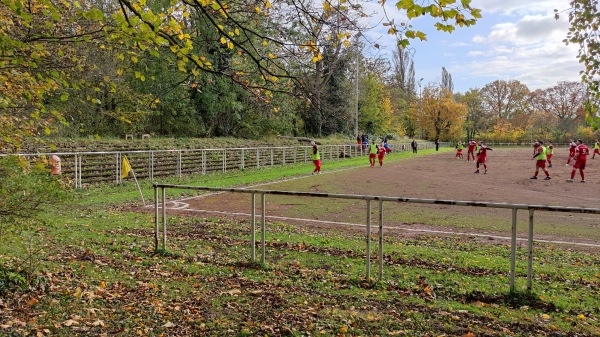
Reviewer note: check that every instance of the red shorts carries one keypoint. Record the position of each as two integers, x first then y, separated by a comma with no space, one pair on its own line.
459,151
571,153
540,164
380,155
481,160
580,164
597,151
372,155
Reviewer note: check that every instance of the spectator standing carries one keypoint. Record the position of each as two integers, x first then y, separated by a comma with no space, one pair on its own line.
437,144
55,165
414,146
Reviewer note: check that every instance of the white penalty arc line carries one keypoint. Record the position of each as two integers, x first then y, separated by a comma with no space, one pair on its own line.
395,228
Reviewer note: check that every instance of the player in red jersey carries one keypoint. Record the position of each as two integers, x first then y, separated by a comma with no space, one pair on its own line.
536,145
471,150
540,163
572,147
550,153
482,156
581,153
381,154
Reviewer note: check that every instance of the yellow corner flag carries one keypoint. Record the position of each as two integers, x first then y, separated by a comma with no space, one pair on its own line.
126,167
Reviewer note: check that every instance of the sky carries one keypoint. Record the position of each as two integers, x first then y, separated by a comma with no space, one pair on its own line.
514,40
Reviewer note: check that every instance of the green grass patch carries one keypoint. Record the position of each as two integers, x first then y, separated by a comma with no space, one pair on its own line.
98,274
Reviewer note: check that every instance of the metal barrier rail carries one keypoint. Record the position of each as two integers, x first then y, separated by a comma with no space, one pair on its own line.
107,166
369,199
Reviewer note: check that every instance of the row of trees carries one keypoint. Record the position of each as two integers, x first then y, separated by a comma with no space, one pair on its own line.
203,68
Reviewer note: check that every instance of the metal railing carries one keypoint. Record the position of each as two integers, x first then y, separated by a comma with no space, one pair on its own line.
369,199
82,168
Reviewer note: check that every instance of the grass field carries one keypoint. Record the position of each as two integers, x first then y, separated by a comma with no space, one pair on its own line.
97,272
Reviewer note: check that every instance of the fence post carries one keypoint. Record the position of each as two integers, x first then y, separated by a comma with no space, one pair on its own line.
530,251
203,162
253,240
179,163
283,155
271,156
151,169
164,218
155,217
380,239
224,160
368,259
264,227
257,158
117,167
242,158
513,250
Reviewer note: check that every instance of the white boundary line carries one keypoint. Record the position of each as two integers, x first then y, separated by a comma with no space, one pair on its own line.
394,228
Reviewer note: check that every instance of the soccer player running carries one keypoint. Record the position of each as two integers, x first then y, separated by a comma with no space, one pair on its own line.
550,153
482,156
541,160
459,150
596,149
373,149
471,150
572,147
581,153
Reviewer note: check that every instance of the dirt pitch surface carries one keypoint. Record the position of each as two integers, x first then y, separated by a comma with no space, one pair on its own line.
431,176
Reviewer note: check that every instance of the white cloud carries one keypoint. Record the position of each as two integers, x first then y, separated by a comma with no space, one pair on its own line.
519,7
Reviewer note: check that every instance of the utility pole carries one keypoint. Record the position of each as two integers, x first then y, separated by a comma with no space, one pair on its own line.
357,62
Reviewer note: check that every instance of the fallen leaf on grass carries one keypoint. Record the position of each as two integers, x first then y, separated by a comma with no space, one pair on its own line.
232,292
168,325
98,323
70,322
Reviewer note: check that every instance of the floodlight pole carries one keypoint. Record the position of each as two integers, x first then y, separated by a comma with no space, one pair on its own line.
357,62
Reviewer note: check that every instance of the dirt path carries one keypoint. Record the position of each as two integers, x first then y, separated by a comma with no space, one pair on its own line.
436,176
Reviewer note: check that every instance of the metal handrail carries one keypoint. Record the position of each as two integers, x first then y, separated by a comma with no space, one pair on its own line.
369,199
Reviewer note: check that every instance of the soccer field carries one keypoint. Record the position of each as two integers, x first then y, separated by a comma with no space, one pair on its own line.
436,176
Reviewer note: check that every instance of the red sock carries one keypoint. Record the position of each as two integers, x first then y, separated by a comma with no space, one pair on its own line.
572,174
582,174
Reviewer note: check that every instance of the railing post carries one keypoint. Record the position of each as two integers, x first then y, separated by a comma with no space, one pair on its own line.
264,228
203,162
164,218
151,165
513,250
179,163
257,158
271,156
117,167
242,159
253,229
368,258
380,239
530,251
155,217
283,155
